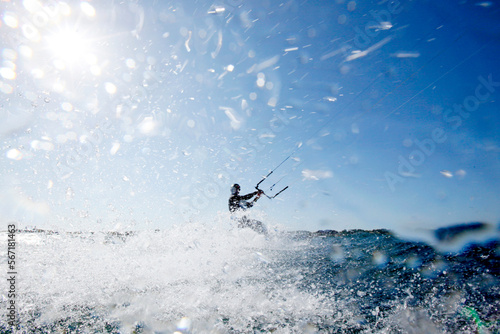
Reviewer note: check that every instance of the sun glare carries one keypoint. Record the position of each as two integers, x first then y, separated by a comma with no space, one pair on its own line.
69,46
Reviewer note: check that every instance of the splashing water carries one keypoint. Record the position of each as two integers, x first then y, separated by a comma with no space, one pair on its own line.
197,278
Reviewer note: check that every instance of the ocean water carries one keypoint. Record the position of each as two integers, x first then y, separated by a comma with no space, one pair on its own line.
211,278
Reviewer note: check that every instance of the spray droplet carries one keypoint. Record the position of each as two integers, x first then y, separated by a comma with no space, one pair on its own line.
447,173
14,154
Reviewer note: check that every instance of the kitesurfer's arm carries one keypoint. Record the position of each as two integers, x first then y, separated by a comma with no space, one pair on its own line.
257,195
248,196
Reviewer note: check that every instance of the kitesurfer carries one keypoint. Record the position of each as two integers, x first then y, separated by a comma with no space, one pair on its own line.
239,202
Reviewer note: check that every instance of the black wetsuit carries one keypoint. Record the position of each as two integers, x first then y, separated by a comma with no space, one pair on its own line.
237,202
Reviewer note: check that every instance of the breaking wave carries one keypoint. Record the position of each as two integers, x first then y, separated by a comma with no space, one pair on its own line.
196,278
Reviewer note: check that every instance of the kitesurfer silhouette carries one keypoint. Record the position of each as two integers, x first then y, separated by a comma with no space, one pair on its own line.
239,202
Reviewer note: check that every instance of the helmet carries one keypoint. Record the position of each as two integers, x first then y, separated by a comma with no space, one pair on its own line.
235,188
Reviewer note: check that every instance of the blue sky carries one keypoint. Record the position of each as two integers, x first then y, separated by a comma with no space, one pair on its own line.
142,114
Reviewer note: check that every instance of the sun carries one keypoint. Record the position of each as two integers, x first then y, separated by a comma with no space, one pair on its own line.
69,46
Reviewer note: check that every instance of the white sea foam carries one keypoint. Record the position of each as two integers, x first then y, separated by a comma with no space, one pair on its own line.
158,279
210,277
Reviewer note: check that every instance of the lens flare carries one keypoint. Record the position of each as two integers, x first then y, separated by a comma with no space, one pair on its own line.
69,46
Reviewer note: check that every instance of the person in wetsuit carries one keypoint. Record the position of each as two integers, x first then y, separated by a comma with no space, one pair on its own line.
239,203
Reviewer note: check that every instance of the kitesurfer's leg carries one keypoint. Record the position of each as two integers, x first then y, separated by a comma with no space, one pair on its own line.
259,227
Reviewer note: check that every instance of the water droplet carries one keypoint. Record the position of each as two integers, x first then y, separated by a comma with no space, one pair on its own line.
87,9
379,259
14,154
184,324
460,173
446,173
110,88
337,254
351,6
10,19
114,148
8,73
66,106
130,63
70,194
